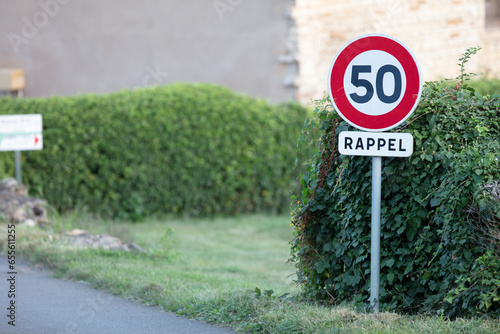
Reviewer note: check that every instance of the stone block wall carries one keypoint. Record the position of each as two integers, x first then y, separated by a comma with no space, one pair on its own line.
437,32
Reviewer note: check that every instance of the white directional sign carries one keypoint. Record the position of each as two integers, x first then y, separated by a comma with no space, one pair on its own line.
21,132
381,144
375,83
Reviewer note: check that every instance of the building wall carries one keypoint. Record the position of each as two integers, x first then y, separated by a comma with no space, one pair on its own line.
278,50
437,32
71,47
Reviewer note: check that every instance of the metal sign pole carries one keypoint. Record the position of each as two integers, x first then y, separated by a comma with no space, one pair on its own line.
375,240
17,154
17,161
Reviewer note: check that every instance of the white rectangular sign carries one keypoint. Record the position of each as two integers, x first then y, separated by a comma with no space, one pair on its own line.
21,132
376,144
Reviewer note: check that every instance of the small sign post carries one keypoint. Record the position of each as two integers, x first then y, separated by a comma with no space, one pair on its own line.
375,84
20,133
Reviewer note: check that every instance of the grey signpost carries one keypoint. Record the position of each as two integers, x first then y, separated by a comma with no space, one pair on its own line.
20,133
17,166
375,84
375,236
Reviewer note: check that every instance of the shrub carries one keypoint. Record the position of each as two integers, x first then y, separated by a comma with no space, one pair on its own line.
432,255
195,149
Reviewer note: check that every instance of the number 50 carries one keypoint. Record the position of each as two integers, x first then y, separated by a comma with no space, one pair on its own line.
381,94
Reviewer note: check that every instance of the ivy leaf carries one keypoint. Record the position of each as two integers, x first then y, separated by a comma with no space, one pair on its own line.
352,280
435,202
411,231
401,229
390,277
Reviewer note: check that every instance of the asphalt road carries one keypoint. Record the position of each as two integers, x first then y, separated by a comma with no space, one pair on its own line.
45,305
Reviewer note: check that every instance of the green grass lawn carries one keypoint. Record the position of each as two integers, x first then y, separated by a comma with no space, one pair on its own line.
202,255
228,271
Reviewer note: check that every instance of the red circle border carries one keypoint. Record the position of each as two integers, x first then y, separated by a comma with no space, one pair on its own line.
413,83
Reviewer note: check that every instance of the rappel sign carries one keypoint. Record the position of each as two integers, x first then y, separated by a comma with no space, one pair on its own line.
376,144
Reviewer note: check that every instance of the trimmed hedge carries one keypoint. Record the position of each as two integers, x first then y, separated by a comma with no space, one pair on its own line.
486,86
195,149
440,249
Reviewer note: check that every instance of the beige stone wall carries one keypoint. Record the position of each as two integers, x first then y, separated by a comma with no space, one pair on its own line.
490,55
437,32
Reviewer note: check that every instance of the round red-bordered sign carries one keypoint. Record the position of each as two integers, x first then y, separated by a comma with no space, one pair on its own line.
370,71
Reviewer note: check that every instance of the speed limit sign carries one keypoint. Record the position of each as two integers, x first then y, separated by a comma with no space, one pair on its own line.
375,82
375,85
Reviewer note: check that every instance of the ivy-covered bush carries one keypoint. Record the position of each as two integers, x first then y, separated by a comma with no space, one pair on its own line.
195,149
438,216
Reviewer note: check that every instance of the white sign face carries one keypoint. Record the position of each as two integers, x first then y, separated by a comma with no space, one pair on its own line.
375,89
21,132
378,144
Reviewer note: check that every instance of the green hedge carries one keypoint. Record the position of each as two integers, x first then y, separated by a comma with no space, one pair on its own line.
486,86
195,149
439,250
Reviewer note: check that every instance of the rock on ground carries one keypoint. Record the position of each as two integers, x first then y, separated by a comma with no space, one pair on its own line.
17,207
83,239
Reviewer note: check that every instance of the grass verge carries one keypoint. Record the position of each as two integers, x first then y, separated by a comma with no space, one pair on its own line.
231,272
